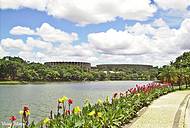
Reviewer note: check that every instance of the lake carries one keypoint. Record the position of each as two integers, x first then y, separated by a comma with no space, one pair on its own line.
42,98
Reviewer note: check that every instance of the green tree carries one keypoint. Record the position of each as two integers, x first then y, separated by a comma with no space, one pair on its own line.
168,74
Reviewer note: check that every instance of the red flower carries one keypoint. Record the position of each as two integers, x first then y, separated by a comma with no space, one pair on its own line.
12,118
68,112
134,90
70,101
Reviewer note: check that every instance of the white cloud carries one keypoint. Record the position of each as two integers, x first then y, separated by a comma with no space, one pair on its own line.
2,52
119,42
47,33
33,56
97,11
19,30
80,50
154,43
183,35
16,4
173,4
16,44
159,23
142,43
88,11
36,43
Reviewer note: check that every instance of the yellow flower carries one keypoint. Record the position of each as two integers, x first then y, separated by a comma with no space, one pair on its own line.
62,99
92,113
100,101
77,109
28,113
99,114
21,112
46,121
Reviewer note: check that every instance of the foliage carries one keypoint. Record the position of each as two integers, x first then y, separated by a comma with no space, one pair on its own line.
15,68
178,72
104,114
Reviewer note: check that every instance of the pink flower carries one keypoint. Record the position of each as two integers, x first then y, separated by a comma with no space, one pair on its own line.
115,95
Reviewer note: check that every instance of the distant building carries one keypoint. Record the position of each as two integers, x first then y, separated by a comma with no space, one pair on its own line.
83,65
112,67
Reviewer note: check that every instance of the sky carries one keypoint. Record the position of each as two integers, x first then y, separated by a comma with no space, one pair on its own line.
151,32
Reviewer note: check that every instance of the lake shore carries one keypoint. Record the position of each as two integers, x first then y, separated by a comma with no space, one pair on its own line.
12,82
16,82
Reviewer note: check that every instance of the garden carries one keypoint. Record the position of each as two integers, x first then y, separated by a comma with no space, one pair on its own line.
109,113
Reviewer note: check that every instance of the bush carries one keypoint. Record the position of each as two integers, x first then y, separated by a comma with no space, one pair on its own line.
106,114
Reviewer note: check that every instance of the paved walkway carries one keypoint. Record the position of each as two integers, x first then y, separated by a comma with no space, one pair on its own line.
169,111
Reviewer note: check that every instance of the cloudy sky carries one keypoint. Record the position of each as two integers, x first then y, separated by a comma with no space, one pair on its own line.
97,31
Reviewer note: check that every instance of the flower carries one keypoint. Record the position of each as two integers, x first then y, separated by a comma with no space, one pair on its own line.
100,101
115,95
62,99
26,108
68,112
76,109
92,113
21,112
121,94
99,114
70,101
46,121
27,113
12,118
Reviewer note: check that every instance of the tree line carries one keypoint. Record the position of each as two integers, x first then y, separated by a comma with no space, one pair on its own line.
15,68
177,72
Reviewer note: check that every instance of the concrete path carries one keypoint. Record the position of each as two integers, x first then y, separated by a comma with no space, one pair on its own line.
187,115
169,111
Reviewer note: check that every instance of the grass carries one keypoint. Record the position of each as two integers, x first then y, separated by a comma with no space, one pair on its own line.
10,82
16,82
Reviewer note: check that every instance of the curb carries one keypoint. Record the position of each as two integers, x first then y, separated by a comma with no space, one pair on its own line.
187,115
179,120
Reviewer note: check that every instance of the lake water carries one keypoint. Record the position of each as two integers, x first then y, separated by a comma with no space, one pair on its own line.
42,98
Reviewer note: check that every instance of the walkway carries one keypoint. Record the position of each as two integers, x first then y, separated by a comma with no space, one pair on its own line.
169,111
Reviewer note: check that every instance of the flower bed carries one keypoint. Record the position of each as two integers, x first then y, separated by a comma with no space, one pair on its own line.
104,114
110,113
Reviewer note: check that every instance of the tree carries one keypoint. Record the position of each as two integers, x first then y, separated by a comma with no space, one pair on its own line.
186,74
168,74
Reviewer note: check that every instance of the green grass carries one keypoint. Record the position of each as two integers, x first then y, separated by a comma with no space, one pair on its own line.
12,82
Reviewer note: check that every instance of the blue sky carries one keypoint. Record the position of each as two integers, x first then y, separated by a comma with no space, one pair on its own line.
33,19
96,31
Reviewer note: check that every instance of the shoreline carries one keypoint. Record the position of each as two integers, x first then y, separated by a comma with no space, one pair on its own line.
16,82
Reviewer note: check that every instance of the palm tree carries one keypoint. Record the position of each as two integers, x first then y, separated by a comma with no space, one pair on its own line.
186,72
168,74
